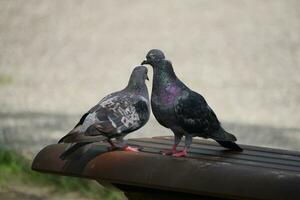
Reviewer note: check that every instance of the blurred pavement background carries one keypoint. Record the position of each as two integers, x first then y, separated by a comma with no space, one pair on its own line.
58,58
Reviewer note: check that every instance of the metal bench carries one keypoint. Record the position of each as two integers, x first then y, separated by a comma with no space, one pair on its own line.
209,172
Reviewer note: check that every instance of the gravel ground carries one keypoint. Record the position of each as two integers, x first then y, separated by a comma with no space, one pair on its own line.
58,58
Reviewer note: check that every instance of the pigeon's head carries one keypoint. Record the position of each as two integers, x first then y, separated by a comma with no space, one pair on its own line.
139,75
153,57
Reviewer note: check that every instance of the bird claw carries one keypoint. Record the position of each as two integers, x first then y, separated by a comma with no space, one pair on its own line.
167,152
132,149
182,153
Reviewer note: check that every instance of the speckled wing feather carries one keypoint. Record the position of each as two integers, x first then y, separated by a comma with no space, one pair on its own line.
194,115
122,114
115,115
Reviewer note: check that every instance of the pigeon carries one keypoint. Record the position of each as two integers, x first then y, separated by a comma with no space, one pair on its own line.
113,117
182,110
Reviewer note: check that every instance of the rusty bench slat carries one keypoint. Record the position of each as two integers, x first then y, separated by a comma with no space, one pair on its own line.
217,148
209,149
197,175
268,150
233,157
245,163
253,150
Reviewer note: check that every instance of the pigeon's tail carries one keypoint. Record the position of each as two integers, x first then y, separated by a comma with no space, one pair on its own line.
79,144
79,137
221,134
70,137
79,141
89,135
75,150
226,139
229,145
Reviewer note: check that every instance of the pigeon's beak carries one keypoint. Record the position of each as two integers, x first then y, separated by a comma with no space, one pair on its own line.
145,62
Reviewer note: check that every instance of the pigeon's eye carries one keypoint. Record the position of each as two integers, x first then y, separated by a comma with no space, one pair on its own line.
152,56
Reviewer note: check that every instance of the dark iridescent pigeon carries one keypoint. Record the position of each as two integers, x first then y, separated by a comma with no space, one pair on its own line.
114,116
182,110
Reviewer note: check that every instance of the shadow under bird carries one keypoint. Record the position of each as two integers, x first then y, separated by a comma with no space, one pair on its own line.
113,117
182,110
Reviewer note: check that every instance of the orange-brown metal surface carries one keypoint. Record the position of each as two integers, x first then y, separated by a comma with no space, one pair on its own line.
256,173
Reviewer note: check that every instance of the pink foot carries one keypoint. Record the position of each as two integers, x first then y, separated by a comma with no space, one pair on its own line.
182,153
168,152
132,149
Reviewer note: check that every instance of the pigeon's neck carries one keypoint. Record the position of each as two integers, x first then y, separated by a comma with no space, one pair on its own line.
163,74
137,87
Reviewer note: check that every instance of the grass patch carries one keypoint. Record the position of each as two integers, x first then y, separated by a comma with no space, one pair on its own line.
16,168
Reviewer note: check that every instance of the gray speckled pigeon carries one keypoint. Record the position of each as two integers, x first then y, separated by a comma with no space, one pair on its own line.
114,116
182,110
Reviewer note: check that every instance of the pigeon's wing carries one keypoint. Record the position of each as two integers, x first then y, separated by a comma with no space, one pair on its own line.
93,109
142,108
83,123
194,114
122,114
114,116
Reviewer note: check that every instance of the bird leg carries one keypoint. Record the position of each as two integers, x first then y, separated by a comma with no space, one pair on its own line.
112,145
167,152
188,142
177,140
124,146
